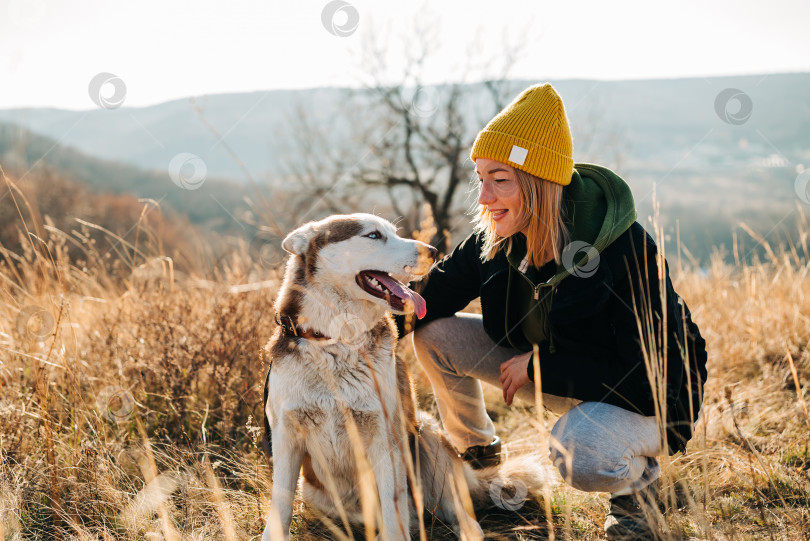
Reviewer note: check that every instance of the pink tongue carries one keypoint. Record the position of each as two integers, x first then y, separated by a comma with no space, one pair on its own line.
403,292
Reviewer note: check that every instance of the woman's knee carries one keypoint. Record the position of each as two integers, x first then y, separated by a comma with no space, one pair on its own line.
451,342
427,345
589,458
427,338
424,337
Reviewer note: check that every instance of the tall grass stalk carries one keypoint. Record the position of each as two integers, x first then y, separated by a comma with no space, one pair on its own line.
185,346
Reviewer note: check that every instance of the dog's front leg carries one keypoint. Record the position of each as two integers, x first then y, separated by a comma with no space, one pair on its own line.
288,454
392,486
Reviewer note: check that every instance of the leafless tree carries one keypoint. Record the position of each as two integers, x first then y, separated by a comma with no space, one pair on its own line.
404,145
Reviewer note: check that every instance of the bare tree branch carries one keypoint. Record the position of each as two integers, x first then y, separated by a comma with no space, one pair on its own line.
407,137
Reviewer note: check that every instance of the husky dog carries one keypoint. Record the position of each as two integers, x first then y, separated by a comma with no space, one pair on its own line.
340,406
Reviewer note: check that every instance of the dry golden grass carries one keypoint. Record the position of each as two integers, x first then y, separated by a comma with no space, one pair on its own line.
131,409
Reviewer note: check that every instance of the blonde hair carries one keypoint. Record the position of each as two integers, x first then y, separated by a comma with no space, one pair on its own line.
542,216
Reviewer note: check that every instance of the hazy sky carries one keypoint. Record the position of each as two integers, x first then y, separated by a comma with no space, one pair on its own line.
50,50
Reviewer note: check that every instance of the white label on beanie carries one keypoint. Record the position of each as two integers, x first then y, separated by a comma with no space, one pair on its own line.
518,155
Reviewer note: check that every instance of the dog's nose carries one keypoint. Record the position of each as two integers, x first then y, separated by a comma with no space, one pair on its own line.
426,251
431,251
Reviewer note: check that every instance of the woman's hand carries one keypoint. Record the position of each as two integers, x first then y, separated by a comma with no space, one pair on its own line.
514,375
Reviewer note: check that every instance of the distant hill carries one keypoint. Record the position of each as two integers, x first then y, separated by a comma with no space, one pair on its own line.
149,137
21,151
709,174
658,121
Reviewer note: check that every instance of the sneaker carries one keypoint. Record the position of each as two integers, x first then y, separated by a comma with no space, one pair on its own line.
483,456
633,517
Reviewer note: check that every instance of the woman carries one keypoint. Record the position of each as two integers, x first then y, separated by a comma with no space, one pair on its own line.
561,266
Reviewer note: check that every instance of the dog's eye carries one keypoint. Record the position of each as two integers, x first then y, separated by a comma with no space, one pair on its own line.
374,235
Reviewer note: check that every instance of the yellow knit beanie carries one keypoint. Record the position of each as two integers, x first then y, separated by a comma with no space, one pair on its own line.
530,134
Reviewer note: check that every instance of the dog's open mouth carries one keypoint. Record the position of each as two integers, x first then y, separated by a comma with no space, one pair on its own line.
396,294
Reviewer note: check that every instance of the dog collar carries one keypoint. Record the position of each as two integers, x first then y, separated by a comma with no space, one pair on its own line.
288,327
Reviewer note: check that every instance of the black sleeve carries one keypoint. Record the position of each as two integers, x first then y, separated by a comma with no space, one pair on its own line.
449,286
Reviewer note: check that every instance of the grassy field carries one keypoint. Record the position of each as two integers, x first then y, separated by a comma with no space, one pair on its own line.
131,408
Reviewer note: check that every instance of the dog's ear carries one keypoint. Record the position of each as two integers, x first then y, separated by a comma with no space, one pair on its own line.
296,242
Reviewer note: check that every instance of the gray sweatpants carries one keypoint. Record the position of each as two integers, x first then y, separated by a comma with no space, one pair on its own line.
609,449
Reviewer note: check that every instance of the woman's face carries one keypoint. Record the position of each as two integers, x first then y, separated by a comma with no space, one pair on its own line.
500,194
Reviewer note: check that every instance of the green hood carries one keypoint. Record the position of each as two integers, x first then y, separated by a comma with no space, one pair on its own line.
600,208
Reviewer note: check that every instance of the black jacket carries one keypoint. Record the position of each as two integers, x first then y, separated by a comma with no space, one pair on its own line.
595,351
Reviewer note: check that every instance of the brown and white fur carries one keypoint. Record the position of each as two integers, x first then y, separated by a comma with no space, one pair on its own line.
342,406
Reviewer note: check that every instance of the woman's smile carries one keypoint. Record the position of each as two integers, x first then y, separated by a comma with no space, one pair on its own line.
499,192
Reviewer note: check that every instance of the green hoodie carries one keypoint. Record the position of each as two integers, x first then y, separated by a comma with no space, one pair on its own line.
599,209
